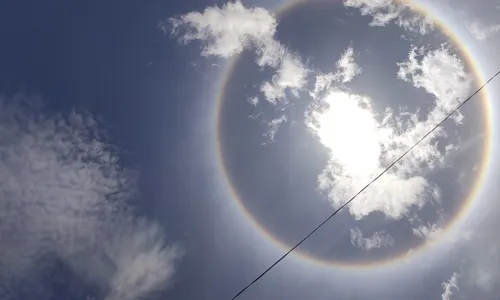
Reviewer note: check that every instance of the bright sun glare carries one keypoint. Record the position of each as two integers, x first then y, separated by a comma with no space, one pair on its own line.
349,130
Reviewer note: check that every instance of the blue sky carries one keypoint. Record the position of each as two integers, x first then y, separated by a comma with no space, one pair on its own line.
110,126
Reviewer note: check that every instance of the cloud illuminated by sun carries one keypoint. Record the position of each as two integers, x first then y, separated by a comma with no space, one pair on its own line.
349,131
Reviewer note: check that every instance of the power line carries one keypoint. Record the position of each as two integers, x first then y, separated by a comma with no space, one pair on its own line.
366,186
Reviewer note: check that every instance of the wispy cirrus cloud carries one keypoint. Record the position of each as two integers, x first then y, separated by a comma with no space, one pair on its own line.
253,101
346,70
482,31
384,12
379,239
64,194
273,127
450,286
428,231
480,259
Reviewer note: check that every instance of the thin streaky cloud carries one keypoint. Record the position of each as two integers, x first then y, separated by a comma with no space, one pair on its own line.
450,287
273,127
384,12
347,68
482,31
379,239
253,101
65,194
428,231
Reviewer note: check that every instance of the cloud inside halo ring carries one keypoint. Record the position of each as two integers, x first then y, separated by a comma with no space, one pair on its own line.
471,62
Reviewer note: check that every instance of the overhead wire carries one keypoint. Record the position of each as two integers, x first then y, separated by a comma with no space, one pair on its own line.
366,186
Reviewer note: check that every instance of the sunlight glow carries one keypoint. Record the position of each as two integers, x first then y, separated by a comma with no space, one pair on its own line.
347,127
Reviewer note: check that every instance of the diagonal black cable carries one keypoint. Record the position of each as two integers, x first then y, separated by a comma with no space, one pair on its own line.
366,186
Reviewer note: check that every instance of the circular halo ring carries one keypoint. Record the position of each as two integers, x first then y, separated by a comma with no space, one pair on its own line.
458,217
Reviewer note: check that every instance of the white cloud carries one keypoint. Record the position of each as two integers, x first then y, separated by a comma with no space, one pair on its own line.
361,144
440,73
232,28
273,126
253,101
379,239
346,70
347,127
322,83
450,286
64,194
481,31
349,131
429,231
347,67
291,75
226,31
384,12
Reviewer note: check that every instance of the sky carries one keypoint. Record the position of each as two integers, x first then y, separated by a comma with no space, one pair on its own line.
176,149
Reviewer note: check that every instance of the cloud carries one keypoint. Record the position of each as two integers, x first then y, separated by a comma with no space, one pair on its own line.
384,12
428,231
273,126
346,70
455,152
482,32
348,130
379,239
481,256
226,31
347,67
450,286
291,75
478,256
253,101
347,127
440,73
63,194
322,83
232,28
362,143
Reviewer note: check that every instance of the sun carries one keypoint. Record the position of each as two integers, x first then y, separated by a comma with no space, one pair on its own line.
347,127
